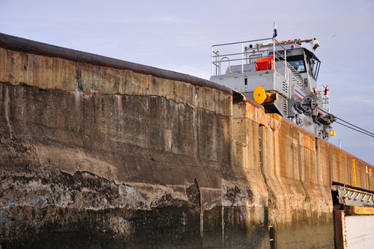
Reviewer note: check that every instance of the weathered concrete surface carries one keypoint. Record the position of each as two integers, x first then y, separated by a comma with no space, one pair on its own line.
101,155
299,197
111,158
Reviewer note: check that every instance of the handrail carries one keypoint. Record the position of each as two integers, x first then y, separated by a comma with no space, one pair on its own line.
222,60
241,42
260,50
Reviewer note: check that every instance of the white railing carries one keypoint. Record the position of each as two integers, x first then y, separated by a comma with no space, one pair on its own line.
246,53
228,53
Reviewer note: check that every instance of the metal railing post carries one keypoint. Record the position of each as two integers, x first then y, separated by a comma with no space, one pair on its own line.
273,63
212,61
286,75
218,64
242,57
285,64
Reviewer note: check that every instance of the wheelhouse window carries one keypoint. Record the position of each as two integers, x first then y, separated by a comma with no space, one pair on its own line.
298,64
313,66
302,61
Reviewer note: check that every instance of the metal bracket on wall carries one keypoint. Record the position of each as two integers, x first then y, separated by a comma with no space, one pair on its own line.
354,197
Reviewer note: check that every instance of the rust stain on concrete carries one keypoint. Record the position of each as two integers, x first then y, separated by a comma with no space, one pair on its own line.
106,155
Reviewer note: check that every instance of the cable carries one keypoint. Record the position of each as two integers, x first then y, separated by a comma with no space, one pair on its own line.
367,134
371,133
352,126
349,127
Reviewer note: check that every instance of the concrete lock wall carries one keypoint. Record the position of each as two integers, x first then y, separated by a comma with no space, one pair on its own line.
296,177
99,153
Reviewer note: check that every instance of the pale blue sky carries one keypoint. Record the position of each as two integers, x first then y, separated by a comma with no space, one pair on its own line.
177,35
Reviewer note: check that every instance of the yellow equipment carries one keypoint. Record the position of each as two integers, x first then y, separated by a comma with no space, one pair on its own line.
260,96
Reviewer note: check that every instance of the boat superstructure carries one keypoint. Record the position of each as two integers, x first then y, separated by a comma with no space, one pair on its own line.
282,76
